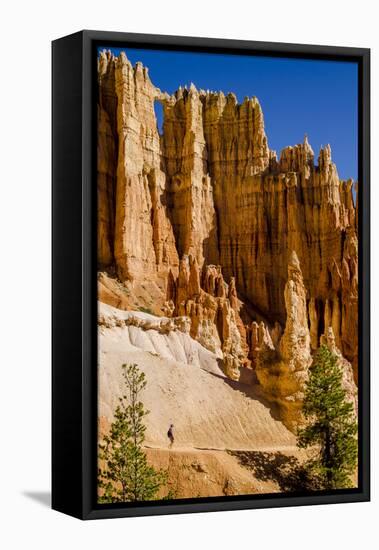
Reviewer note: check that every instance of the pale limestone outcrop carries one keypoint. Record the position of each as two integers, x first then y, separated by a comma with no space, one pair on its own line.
144,321
295,342
233,354
185,385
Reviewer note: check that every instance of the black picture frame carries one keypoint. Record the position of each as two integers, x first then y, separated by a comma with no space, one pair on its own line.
74,332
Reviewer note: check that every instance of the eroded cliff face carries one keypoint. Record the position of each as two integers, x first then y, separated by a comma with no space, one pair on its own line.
213,308
135,232
282,368
251,248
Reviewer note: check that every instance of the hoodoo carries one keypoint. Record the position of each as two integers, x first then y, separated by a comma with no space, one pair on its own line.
260,254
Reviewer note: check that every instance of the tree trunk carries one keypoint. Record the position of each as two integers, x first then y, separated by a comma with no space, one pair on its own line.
327,459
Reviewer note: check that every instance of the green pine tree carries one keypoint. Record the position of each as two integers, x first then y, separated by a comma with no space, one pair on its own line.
332,426
126,475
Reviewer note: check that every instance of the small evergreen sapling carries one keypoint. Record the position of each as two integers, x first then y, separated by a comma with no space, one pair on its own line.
126,475
332,425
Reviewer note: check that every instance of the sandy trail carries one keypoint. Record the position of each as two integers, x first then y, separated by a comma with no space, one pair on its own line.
208,472
263,449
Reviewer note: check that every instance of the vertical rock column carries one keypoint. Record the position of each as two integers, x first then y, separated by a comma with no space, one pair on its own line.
185,158
283,372
238,154
107,150
143,235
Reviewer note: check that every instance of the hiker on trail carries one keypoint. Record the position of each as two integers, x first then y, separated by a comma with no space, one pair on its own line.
170,434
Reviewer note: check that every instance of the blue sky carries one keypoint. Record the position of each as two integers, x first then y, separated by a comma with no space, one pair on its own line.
319,98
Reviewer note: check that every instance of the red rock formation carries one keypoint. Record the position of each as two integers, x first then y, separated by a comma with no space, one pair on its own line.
283,371
107,159
209,187
185,161
282,368
141,239
214,322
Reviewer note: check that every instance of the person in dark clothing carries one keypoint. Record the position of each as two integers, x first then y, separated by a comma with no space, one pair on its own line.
170,435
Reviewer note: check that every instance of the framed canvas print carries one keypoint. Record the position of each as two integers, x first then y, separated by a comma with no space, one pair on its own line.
210,274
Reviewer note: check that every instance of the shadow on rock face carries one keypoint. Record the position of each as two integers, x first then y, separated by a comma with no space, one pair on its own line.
253,391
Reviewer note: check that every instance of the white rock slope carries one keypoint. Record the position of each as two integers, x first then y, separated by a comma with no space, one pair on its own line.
185,386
